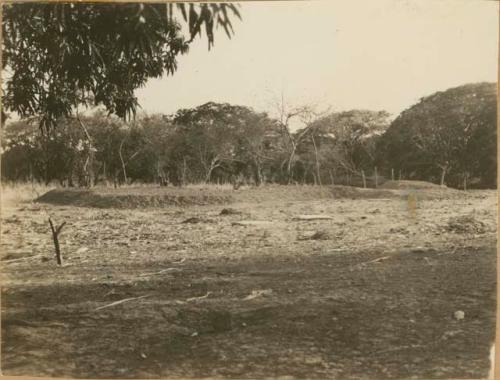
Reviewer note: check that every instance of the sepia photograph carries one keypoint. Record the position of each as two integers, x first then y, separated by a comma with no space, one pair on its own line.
249,190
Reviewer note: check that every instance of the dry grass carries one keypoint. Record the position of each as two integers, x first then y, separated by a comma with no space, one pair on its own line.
15,193
410,185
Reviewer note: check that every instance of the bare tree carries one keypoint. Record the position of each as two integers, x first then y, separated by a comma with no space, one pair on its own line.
305,114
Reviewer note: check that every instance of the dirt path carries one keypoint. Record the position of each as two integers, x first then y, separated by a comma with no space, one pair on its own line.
375,299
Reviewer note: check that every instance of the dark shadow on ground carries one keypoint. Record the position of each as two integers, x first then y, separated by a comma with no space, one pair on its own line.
341,315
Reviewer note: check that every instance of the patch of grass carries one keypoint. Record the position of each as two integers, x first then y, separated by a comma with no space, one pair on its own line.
13,193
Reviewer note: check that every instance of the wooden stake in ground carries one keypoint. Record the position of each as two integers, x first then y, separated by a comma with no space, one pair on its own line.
55,235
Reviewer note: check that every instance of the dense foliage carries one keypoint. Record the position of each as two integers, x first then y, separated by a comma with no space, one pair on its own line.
211,143
448,138
342,145
58,56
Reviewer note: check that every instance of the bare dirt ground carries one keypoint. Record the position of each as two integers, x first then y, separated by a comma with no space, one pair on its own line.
369,290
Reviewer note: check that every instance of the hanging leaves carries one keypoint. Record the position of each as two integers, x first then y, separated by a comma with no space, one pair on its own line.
61,55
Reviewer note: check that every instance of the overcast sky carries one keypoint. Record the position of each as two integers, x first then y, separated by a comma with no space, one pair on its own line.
369,54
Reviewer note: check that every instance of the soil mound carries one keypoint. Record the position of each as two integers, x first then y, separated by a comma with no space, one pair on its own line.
134,198
361,193
411,185
466,224
309,192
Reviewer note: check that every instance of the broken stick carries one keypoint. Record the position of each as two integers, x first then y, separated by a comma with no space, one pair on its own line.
55,235
120,302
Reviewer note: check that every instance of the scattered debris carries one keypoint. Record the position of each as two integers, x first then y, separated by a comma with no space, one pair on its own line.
230,211
312,217
466,224
317,235
192,220
20,259
428,261
198,298
399,230
251,223
12,219
451,334
459,315
112,292
160,272
342,249
419,250
378,260
82,250
56,230
258,293
120,302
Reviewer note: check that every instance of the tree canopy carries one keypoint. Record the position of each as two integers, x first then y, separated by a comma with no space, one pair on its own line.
225,137
58,56
344,142
447,137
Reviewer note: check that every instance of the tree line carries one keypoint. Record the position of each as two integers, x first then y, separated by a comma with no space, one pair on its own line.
446,138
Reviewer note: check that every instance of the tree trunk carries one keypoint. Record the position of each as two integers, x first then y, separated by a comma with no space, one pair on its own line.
124,170
376,177
318,175
331,178
158,176
46,174
363,178
443,175
208,175
184,171
392,174
31,174
289,164
213,165
315,179
89,162
258,173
